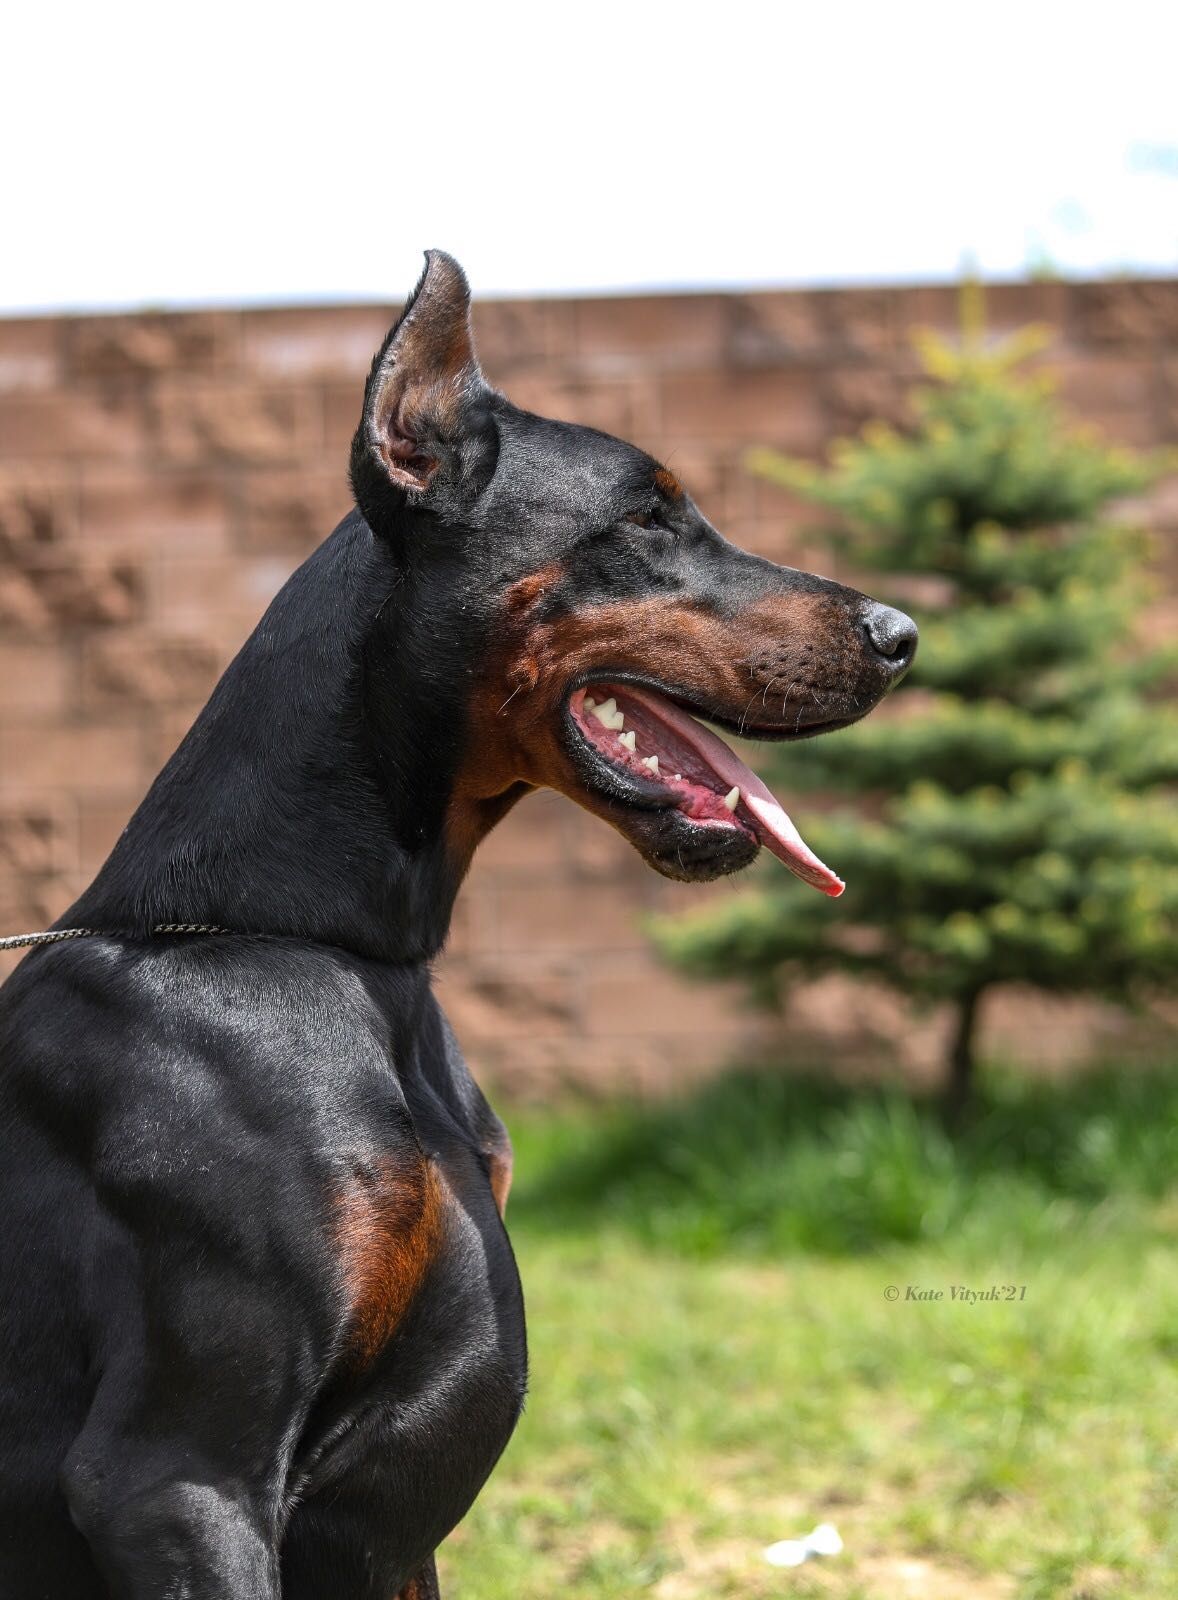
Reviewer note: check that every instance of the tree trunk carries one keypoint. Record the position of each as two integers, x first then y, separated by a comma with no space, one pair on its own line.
960,1081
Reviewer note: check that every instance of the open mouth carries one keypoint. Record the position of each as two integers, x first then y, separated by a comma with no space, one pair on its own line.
660,758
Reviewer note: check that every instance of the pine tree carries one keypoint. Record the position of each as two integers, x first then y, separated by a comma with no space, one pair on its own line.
1014,822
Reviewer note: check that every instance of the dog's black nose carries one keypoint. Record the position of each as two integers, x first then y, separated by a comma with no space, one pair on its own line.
892,635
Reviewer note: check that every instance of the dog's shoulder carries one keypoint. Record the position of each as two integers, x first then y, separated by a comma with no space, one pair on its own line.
170,1054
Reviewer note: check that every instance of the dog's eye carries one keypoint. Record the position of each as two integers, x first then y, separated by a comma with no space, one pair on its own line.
645,519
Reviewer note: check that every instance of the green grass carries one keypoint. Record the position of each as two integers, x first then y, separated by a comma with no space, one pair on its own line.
716,1364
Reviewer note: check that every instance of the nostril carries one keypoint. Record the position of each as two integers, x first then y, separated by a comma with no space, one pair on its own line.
892,634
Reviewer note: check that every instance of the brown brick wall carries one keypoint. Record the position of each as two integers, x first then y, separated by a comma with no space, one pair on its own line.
160,475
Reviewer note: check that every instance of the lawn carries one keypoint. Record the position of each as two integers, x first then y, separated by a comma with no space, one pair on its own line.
716,1363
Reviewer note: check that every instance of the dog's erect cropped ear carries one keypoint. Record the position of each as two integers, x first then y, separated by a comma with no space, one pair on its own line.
423,380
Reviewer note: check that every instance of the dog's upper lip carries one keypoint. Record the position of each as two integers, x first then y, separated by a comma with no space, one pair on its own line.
708,711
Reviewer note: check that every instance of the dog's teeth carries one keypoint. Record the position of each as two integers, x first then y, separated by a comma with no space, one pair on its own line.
678,777
605,712
651,762
732,799
617,721
629,740
589,702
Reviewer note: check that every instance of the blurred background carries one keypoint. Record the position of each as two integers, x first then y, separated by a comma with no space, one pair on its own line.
949,236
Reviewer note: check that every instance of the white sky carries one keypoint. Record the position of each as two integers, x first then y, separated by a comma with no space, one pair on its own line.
158,154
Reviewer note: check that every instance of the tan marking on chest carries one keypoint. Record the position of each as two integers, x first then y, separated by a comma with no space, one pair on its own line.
388,1229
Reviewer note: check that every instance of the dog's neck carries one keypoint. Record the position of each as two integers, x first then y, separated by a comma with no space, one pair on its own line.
309,799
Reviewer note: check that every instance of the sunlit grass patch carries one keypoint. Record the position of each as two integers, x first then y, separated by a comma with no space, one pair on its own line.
698,1394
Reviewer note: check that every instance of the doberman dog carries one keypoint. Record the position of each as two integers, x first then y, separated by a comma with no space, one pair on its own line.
262,1329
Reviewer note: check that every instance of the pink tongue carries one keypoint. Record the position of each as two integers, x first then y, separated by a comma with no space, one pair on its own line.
773,826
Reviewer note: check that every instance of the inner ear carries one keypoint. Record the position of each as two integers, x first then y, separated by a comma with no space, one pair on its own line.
405,462
422,381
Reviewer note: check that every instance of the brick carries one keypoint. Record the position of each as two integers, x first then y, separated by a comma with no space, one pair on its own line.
29,354
166,732
335,342
234,422
1122,383
143,345
623,407
853,396
38,511
232,594
1007,308
777,329
1162,502
100,822
528,843
23,612
73,590
557,918
533,1067
1011,306
859,320
29,904
94,755
629,333
1140,313
1167,398
772,406
1143,429
83,422
36,837
647,999
594,850
762,536
510,334
289,511
147,511
705,469
341,404
149,669
502,1001
36,681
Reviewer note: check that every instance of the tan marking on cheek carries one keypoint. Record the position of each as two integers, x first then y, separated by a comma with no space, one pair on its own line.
516,710
388,1229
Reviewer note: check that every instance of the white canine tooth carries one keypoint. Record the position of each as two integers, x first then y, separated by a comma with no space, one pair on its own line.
629,740
605,712
617,721
589,702
652,762
732,799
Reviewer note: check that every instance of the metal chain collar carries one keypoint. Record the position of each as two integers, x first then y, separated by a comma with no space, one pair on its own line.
18,941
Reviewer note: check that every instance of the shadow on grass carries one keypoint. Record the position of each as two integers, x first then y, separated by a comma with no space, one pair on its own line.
764,1161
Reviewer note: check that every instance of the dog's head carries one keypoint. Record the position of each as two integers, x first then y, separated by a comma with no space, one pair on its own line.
580,613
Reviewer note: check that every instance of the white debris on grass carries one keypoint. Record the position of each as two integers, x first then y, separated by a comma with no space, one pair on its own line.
820,1541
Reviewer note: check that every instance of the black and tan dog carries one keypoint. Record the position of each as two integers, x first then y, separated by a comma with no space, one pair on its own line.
262,1330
